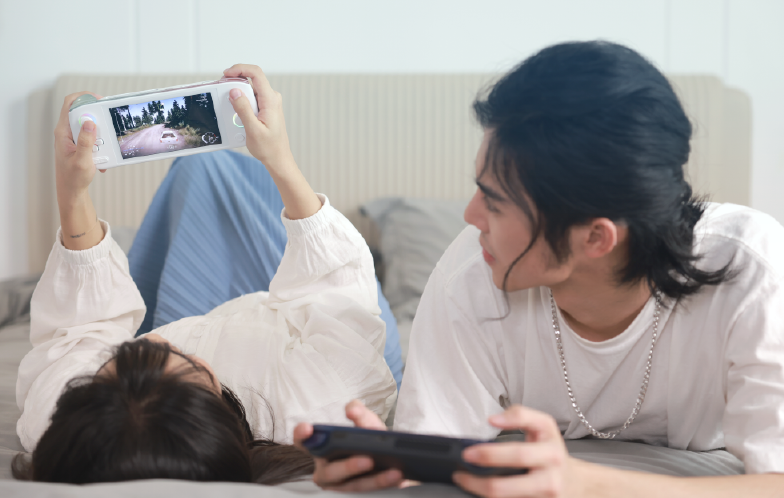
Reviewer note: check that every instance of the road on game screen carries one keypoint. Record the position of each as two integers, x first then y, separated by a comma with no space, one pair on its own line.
146,142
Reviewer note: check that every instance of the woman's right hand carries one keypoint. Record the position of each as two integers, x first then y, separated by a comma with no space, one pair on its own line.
266,131
340,474
268,141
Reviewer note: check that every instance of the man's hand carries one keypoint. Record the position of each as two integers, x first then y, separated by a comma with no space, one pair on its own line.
543,454
340,475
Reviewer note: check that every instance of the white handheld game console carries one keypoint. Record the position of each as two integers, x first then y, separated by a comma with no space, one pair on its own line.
167,122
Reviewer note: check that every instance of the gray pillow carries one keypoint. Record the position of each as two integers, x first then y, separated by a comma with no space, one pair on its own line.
124,237
15,297
414,235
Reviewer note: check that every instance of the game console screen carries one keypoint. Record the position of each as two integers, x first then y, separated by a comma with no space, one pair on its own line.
166,125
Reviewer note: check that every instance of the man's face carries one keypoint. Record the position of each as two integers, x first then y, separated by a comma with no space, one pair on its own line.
506,232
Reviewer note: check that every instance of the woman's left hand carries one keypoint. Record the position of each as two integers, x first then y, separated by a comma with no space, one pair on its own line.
550,469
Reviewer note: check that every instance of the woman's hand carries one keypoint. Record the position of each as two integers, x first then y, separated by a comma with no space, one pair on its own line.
73,159
269,143
543,453
266,132
74,171
340,475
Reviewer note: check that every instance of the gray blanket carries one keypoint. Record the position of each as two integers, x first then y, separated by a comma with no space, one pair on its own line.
14,344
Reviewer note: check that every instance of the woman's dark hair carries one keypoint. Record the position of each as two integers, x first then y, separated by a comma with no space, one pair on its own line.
137,421
592,129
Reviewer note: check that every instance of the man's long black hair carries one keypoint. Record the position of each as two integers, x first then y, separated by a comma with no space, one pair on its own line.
593,130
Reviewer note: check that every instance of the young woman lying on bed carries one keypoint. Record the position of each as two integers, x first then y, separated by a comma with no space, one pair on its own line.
187,400
595,296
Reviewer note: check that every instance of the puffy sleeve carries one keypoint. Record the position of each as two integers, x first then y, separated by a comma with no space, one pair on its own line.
324,254
448,349
754,413
316,341
85,302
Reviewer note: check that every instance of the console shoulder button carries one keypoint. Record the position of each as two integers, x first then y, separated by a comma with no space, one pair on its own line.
100,160
82,100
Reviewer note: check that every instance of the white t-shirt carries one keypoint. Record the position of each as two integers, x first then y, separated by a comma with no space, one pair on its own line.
309,346
717,378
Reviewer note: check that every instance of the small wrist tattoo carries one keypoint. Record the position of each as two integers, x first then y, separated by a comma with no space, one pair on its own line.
85,233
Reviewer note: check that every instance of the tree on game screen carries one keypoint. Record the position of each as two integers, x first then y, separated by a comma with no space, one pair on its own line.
199,112
196,111
121,119
141,128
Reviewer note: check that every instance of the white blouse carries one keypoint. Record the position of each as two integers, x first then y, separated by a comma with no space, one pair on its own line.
717,377
311,344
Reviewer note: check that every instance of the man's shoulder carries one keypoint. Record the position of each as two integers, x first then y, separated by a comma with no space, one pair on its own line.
737,221
467,280
463,255
750,235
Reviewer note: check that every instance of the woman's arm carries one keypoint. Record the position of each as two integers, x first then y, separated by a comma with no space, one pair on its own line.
325,253
86,300
321,336
74,171
269,142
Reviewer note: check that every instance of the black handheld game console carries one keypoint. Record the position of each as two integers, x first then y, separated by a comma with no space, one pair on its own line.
419,457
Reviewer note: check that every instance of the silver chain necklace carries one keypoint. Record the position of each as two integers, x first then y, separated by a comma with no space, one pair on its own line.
646,377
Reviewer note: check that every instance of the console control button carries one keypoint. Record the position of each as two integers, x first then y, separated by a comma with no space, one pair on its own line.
237,121
239,138
87,117
100,160
99,141
95,148
209,138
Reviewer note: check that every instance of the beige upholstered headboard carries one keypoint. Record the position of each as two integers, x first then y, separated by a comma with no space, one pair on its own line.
360,137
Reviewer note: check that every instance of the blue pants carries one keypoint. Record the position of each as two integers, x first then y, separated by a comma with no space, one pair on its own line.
212,233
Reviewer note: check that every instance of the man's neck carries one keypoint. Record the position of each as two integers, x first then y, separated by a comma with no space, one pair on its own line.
598,309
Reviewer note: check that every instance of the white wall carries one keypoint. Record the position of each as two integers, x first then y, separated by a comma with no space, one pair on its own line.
742,41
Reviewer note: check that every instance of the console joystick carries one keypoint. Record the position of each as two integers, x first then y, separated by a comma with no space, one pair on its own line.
87,117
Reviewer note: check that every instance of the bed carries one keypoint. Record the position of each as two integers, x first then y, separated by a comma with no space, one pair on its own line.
395,153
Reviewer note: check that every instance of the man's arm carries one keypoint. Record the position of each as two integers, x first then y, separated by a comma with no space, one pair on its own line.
597,480
552,473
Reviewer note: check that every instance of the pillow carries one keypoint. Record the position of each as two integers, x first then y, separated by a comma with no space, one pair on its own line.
414,235
124,237
15,295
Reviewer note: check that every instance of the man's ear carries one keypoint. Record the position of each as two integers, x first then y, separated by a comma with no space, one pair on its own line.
599,237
